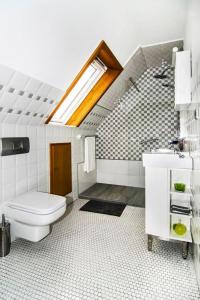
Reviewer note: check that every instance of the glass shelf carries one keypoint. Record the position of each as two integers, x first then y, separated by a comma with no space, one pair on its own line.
181,215
187,192
186,238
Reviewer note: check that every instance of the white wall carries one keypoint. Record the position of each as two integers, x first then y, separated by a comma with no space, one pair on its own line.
85,180
192,42
51,39
24,172
190,127
30,101
121,172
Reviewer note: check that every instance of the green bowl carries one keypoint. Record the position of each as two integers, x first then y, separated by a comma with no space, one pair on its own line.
179,229
180,187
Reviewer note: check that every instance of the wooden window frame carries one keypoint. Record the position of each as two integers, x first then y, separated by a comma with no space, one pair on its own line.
114,68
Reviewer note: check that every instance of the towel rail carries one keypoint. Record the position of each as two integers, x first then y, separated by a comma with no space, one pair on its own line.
79,136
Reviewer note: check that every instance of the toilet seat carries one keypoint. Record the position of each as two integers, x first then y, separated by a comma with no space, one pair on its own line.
38,203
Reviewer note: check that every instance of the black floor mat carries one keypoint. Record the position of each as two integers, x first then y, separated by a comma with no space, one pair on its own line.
103,207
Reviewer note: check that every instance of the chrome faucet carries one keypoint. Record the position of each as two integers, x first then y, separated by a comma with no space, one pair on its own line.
176,151
177,145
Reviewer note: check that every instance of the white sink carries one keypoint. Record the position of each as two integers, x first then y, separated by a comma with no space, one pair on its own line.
162,150
167,160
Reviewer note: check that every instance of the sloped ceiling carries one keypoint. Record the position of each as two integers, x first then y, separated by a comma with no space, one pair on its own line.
26,100
142,59
52,39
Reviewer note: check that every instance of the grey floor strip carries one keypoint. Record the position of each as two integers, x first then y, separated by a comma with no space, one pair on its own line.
133,196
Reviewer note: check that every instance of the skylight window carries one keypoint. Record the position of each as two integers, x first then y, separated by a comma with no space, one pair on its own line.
78,93
87,88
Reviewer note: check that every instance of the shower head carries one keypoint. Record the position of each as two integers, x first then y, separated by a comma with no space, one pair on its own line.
162,75
132,82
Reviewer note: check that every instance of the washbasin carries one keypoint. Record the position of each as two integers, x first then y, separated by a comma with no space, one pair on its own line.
162,150
168,160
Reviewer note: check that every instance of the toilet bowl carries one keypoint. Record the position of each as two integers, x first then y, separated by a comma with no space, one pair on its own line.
32,213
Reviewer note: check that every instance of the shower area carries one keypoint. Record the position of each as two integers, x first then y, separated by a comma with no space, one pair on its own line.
128,195
141,117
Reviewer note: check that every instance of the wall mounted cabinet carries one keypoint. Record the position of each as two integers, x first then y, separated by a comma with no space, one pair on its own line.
183,80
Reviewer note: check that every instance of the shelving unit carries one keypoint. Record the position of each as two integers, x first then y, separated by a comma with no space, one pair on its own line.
183,199
161,172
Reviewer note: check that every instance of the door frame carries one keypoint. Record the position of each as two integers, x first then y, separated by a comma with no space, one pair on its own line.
51,160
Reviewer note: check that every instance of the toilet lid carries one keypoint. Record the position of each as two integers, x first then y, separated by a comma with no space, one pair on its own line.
38,203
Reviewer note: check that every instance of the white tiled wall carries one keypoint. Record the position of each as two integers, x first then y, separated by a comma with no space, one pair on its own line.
25,100
24,172
85,180
120,172
190,126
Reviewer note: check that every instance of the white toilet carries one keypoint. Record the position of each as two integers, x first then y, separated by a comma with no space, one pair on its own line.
32,213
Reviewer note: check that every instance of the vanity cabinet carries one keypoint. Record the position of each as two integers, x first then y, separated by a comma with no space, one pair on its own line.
157,202
161,172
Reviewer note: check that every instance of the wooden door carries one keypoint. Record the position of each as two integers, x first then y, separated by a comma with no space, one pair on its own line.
60,169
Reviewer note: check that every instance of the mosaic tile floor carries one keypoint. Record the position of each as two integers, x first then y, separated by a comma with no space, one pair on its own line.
95,256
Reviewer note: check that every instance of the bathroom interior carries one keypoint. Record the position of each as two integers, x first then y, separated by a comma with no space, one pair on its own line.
100,150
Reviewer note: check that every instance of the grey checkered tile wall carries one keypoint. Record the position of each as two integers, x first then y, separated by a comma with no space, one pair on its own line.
143,58
139,115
